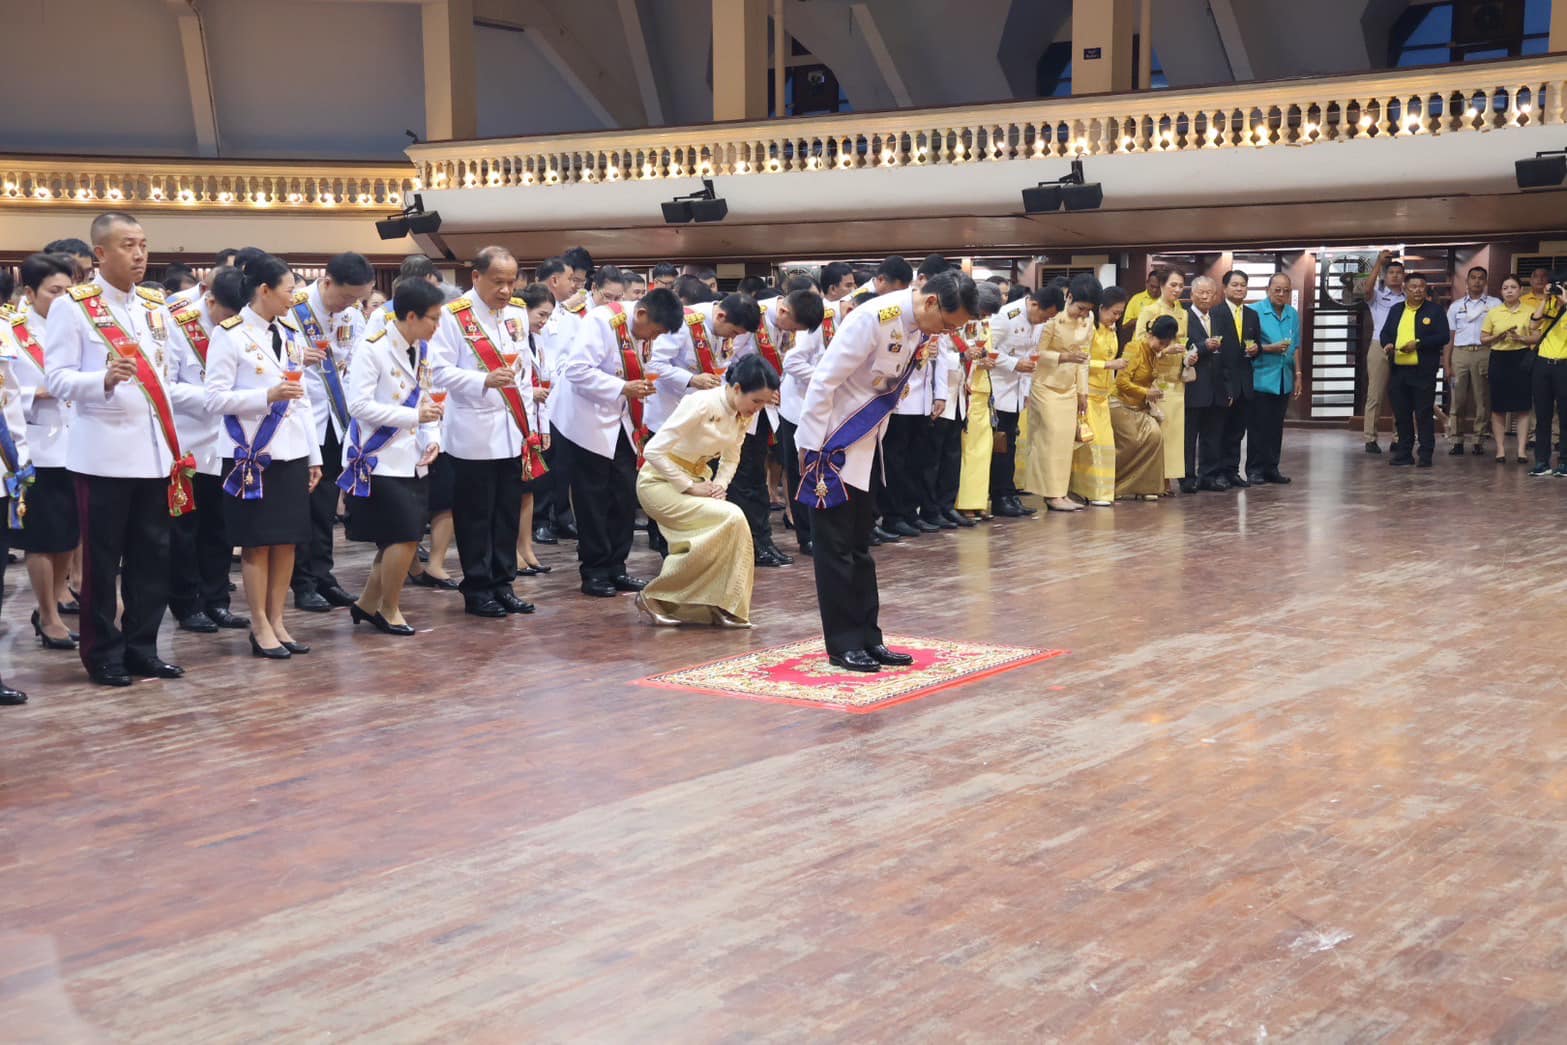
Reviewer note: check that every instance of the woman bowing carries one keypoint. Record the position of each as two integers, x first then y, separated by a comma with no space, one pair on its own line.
271,458
392,439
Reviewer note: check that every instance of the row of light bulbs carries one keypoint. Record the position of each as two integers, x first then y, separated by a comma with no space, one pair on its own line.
187,196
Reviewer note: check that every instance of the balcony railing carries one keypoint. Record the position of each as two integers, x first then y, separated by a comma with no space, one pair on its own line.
205,185
1459,99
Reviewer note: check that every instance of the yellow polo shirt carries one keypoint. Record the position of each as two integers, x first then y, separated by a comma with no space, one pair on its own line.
1508,322
1555,344
1406,334
1134,306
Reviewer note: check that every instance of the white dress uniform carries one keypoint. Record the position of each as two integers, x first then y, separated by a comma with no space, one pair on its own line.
343,330
121,456
553,342
50,527
674,363
381,378
47,417
1014,339
484,446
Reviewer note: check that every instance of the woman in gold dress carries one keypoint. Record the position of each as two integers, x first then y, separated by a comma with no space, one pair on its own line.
1093,465
707,576
1171,285
978,432
1139,445
1059,394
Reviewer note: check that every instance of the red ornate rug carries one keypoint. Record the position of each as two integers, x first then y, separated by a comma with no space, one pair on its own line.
799,673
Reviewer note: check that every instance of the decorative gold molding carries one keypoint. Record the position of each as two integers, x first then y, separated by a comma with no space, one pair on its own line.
1389,104
202,185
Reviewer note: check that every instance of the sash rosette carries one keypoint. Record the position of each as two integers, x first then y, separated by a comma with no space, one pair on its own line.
17,478
251,457
821,477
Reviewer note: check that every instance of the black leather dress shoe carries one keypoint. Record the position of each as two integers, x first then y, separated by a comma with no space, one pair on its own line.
337,596
783,557
11,697
153,668
807,548
484,607
1236,481
1400,461
876,541
957,518
1018,505
199,622
566,530
1278,477
428,580
884,535
545,535
883,655
511,603
854,660
1254,479
624,582
599,588
311,602
925,526
1214,485
221,616
110,677
1007,510
1373,447
903,529
1189,485
1457,450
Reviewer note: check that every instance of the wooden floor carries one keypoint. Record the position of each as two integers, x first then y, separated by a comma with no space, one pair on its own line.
1301,777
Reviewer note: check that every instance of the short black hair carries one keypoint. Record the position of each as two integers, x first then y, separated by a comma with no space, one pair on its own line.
1113,296
998,280
834,271
766,294
228,289
245,255
417,296
751,373
106,221
1086,289
665,269
800,281
38,267
548,268
1018,291
535,294
692,291
896,270
1393,265
416,266
1050,296
953,290
706,273
608,274
489,256
8,282
349,269
70,245
1164,328
1232,274
933,265
752,285
863,274
1416,275
222,258
265,270
663,309
989,299
740,310
1480,269
178,279
806,307
578,258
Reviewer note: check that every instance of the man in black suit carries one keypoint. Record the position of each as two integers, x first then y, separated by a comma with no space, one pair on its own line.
1208,396
1414,336
1240,346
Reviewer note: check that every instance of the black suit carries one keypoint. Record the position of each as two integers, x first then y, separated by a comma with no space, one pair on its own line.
1412,387
1207,397
1237,369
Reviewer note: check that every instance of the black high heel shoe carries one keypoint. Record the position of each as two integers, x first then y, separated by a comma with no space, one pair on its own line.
540,569
297,648
387,626
274,653
49,642
359,616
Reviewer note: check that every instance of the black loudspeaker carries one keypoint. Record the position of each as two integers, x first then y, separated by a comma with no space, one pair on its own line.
1042,200
1541,172
815,89
1486,25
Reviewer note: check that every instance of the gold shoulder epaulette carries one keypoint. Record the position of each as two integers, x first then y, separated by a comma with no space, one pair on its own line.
458,306
288,320
185,315
232,322
301,296
580,310
517,303
83,291
890,313
157,297
378,335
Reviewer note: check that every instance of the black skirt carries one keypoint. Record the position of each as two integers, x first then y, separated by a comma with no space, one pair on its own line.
443,484
1511,390
394,513
50,527
281,515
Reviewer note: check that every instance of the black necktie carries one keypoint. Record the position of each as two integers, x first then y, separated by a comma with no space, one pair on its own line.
277,341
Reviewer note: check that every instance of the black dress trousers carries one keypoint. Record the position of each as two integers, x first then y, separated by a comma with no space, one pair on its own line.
944,470
486,510
1412,391
199,552
313,561
604,495
791,462
125,536
1265,433
846,573
1003,464
902,449
748,489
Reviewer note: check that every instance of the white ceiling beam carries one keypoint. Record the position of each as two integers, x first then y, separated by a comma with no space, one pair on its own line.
641,61
549,24
1230,38
874,42
198,75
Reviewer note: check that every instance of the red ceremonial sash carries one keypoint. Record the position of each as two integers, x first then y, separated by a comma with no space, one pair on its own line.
190,322
490,358
631,365
765,346
705,356
827,328
182,498
25,338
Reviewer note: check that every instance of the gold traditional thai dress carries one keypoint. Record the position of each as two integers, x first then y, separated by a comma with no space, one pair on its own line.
708,572
1139,445
1052,404
978,435
1174,402
1093,465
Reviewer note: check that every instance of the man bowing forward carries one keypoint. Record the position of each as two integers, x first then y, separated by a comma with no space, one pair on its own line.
860,378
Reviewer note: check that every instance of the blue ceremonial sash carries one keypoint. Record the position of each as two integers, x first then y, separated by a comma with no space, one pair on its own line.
17,480
361,464
251,459
821,476
336,397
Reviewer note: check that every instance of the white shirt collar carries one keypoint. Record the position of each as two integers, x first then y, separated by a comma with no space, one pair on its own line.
113,296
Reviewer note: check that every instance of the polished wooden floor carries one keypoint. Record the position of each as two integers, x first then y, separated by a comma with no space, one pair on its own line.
1301,777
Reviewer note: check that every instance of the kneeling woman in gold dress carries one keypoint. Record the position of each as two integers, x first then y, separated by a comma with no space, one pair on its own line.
1135,410
707,576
